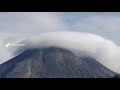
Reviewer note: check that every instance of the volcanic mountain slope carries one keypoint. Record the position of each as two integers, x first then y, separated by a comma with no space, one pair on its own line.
53,62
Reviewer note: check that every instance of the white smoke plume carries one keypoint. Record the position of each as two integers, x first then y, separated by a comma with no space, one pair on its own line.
103,50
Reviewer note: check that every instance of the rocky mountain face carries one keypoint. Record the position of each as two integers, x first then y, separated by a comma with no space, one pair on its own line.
53,62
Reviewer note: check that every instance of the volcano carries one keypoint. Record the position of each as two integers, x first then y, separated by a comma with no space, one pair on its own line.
53,62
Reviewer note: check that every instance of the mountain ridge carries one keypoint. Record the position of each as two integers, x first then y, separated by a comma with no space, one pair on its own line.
53,62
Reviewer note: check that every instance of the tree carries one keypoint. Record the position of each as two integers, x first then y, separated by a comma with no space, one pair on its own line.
116,76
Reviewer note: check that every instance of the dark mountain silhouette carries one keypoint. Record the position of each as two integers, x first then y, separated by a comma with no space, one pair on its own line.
53,62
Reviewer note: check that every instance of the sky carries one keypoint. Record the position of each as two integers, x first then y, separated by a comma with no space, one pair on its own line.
106,24
14,26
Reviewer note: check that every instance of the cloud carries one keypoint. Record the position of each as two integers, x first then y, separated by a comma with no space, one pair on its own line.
17,26
104,50
7,53
107,26
31,23
97,22
4,53
37,22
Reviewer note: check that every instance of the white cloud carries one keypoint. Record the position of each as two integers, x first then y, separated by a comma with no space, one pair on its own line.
105,51
7,53
110,23
16,26
4,53
32,23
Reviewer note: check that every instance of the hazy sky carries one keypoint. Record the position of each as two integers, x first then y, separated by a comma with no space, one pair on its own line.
106,24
